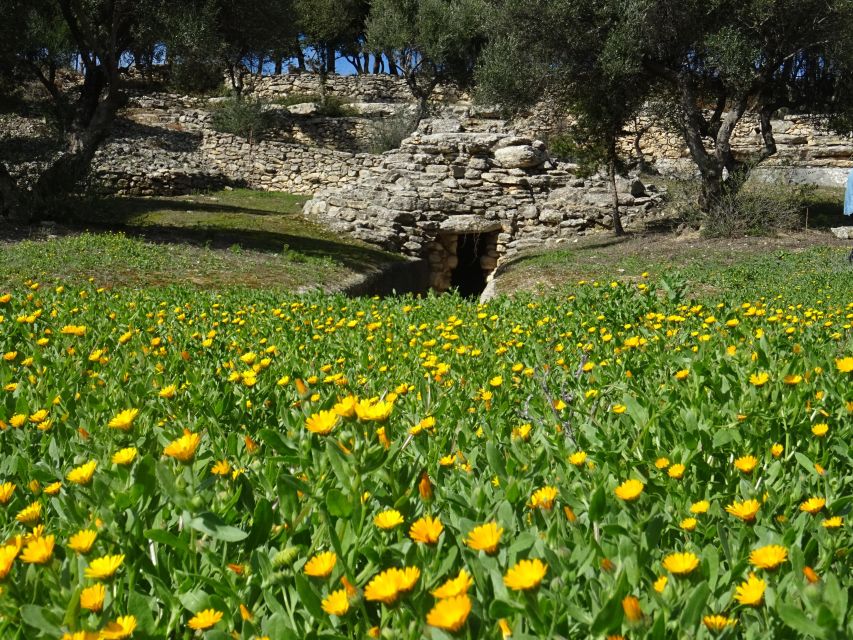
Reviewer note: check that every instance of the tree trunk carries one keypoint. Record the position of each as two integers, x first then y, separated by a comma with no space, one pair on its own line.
300,57
617,217
377,64
278,63
392,64
9,195
331,59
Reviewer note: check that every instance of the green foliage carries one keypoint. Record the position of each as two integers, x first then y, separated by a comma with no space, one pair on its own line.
388,133
434,40
244,117
522,390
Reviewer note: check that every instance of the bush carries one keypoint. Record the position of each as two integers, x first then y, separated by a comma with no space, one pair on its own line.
243,117
753,210
758,209
195,76
335,106
388,133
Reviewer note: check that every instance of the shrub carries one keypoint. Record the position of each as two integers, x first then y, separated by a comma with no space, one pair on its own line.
243,117
198,76
758,209
386,134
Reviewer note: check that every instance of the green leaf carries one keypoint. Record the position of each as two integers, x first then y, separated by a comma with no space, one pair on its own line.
496,461
338,504
609,618
215,527
339,463
308,598
262,521
695,605
141,607
596,505
42,619
164,537
798,621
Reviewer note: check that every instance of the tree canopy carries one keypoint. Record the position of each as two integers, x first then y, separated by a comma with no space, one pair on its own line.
713,62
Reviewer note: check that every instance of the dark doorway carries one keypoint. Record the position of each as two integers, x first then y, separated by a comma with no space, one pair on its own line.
468,276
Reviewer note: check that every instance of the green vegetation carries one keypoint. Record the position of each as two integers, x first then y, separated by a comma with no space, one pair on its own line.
619,459
798,262
226,238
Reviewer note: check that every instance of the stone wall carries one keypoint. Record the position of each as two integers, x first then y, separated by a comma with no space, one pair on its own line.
358,88
279,166
445,182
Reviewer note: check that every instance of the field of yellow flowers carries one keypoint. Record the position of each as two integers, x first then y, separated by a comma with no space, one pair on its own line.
614,462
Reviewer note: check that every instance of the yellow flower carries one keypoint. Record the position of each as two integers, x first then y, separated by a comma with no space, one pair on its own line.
751,592
168,392
577,458
120,628
336,603
322,422
39,416
204,619
17,420
221,468
373,410
82,541
811,575
543,498
387,586
454,586
8,553
700,507
73,330
832,523
83,474
629,490
124,420
631,607
345,407
525,575
426,530
619,408
746,463
660,584
768,557
688,524
745,510
844,365
676,471
717,622
92,598
776,450
38,550
496,381
792,379
321,565
680,563
124,456
183,448
820,429
388,519
104,567
812,505
6,490
661,463
30,514
759,379
450,614
485,537
681,375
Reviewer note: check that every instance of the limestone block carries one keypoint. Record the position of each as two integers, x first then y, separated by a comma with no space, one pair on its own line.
520,157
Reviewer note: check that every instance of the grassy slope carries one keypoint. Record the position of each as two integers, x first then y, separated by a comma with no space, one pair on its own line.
240,237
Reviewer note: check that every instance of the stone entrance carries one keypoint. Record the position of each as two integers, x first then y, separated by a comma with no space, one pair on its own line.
463,256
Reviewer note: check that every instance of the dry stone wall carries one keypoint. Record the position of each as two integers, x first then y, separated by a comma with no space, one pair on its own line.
445,182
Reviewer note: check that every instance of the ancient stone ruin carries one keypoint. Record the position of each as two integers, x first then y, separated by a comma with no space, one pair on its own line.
464,200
